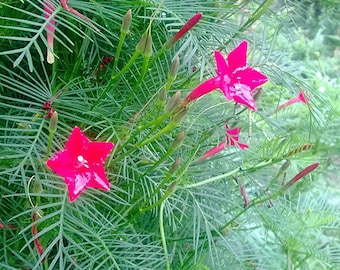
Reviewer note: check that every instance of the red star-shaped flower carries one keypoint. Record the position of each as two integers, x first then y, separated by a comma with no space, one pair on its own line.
81,163
232,139
234,78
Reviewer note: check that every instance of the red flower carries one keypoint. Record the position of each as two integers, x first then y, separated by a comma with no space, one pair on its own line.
231,139
81,163
234,78
301,97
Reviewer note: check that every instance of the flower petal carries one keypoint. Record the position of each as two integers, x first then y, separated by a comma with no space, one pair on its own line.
242,95
213,151
93,156
238,57
204,88
77,143
221,64
249,76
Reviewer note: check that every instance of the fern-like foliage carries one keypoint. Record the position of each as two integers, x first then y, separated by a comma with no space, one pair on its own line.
155,216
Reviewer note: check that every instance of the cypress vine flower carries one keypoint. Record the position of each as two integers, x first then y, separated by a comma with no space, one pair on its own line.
301,97
50,28
81,163
232,139
234,78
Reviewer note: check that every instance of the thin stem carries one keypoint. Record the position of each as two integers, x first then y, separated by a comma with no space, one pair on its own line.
213,179
252,204
167,128
119,49
162,232
137,84
161,200
170,126
49,144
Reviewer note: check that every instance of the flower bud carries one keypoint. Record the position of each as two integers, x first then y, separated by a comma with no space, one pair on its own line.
162,95
172,187
37,186
178,140
141,44
185,28
180,116
174,69
301,174
173,103
148,47
174,166
53,122
144,46
126,22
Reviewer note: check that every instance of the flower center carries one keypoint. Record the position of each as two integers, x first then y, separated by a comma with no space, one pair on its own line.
82,162
226,79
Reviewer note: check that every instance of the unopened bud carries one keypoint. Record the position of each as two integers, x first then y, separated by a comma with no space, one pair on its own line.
144,46
172,187
174,69
148,47
179,140
185,28
53,122
301,174
162,95
174,166
126,22
141,44
173,103
180,116
37,189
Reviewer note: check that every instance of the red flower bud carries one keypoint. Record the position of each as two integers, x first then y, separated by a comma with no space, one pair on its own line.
301,174
185,28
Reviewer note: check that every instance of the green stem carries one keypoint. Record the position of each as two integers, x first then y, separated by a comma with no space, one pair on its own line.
161,200
49,144
167,128
162,232
219,177
213,179
119,49
254,203
158,54
170,126
138,83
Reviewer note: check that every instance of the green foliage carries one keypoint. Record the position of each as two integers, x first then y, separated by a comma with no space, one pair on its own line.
194,217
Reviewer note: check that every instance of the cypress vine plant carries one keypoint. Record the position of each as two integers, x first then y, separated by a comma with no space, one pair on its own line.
157,135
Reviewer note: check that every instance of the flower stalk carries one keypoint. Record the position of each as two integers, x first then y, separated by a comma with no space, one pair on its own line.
50,29
38,246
